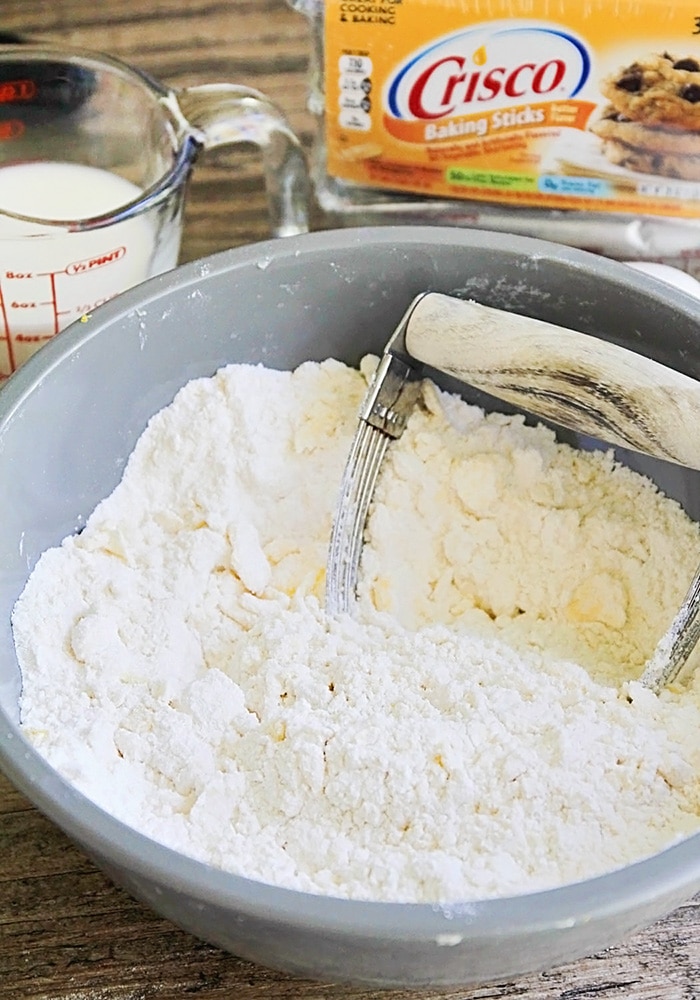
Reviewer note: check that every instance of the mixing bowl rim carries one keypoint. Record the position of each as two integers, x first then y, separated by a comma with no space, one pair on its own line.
264,255
674,871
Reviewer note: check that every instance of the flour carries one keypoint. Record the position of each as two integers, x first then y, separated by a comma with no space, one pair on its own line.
474,730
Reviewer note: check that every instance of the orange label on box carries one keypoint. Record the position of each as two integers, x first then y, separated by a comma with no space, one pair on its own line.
596,110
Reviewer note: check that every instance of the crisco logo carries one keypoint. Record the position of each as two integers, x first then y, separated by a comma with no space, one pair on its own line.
489,67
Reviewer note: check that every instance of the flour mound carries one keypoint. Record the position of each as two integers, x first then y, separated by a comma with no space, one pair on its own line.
474,730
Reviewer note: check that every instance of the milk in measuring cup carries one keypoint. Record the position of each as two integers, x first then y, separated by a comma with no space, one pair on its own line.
49,278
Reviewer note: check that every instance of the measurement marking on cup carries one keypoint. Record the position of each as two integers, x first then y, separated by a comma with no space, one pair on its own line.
6,337
90,263
32,338
54,302
35,305
17,90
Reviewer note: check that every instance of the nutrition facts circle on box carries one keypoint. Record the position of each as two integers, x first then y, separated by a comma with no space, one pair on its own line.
355,85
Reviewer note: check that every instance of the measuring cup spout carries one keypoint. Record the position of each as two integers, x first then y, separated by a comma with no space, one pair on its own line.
223,114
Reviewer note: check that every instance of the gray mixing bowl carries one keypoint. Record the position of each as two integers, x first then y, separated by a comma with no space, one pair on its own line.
68,421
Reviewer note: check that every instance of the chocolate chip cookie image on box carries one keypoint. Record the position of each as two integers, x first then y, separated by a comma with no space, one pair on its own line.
652,123
645,161
614,126
648,149
659,90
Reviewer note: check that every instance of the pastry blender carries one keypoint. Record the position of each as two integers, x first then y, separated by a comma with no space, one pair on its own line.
573,379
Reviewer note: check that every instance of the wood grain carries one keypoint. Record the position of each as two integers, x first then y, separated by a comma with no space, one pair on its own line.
67,933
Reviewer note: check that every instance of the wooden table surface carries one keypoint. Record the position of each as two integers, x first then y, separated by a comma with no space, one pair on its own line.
65,931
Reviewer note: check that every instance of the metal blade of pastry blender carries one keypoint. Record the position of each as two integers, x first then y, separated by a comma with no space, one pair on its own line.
573,379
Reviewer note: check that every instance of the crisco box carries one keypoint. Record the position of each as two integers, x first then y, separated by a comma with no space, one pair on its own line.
576,122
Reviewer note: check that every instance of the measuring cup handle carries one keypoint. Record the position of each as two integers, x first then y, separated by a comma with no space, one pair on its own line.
224,114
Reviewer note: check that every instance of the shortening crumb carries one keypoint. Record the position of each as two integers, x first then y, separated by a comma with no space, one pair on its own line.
474,730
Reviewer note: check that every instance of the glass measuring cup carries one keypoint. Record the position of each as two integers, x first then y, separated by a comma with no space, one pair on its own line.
94,161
